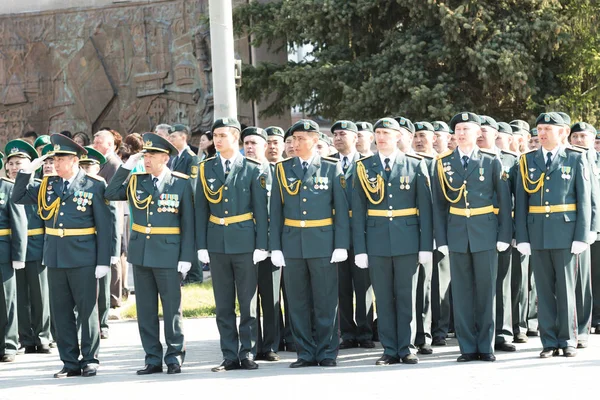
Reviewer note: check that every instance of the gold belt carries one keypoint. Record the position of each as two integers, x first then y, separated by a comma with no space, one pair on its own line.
34,232
552,209
230,220
5,232
312,223
155,230
405,212
70,232
470,212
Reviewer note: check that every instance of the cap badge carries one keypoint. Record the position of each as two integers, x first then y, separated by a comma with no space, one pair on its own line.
225,121
148,143
344,125
465,117
14,150
547,118
56,147
307,125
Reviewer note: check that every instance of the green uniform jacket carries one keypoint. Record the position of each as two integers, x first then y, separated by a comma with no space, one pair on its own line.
593,163
554,230
35,243
479,232
321,191
187,164
390,237
171,207
244,191
13,247
72,251
349,176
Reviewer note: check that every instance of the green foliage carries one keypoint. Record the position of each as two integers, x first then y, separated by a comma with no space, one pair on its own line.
426,59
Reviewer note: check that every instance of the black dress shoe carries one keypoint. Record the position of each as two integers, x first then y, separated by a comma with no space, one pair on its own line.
549,352
89,370
150,369
438,341
248,364
425,349
300,363
66,373
410,359
270,356
328,362
173,369
597,331
467,357
520,338
8,358
348,344
505,347
30,350
533,333
569,351
367,344
43,349
104,334
582,344
53,344
387,360
291,347
226,365
487,357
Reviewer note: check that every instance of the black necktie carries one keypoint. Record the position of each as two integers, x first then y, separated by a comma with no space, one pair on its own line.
155,183
548,159
304,166
227,168
345,164
65,187
387,167
465,161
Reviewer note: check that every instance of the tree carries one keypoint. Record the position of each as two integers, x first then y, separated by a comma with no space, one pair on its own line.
421,59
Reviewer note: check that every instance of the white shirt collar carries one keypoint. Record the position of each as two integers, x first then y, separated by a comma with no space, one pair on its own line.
553,151
392,158
231,160
349,156
160,177
184,149
306,161
461,154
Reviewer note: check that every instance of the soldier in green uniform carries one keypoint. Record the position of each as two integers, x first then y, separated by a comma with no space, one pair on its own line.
232,235
308,241
160,247
76,249
366,137
392,200
553,219
33,301
39,144
356,325
468,180
13,248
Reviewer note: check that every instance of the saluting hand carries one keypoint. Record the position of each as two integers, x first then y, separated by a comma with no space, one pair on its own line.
133,161
35,164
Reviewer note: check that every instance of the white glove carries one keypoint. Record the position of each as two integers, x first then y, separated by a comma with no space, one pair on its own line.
277,258
203,256
361,260
443,250
133,161
18,264
425,257
114,260
579,247
35,164
514,243
259,255
592,237
524,248
102,271
184,267
501,246
339,255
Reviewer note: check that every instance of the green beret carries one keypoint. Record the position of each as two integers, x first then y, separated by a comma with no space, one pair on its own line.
520,124
49,148
41,140
387,123
534,132
565,117
551,118
157,144
180,128
226,122
92,157
583,127
1,161
254,131
503,127
464,117
344,126
424,126
274,131
63,145
21,148
405,123
325,138
440,126
305,125
488,121
364,126
288,133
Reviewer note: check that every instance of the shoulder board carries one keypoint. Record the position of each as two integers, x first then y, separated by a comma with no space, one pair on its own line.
180,175
529,152
364,158
330,159
208,159
97,178
139,173
444,154
418,157
50,175
253,161
488,151
284,160
512,153
427,156
6,179
37,180
577,149
190,152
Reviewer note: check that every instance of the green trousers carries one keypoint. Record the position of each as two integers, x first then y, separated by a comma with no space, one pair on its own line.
268,307
356,323
104,300
519,290
584,299
440,296
504,331
595,267
423,304
9,337
70,288
150,283
33,304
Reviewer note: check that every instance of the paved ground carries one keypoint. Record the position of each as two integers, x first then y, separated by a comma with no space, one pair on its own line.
519,375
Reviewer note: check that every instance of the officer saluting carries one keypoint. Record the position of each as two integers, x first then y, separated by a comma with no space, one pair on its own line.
160,247
76,249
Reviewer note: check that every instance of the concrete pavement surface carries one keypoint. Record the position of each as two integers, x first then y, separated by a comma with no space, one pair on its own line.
521,375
